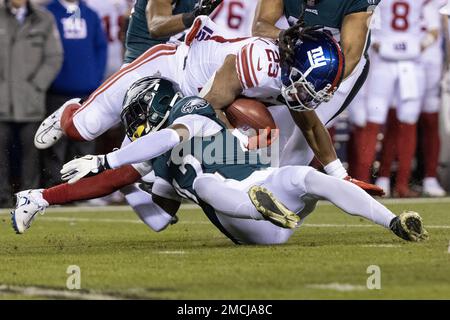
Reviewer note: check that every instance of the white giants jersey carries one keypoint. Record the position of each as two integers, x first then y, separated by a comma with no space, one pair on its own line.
257,62
236,16
399,28
112,12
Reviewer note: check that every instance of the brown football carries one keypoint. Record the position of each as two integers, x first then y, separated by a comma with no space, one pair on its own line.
249,113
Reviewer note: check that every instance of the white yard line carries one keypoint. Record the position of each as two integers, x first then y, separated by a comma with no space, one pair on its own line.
55,293
187,206
335,286
191,222
381,246
172,252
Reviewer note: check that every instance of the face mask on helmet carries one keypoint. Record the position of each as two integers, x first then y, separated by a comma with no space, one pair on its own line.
147,105
315,74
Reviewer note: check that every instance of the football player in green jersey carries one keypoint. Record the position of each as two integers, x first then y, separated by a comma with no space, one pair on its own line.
199,157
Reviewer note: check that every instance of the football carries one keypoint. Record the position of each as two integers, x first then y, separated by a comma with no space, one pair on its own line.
249,113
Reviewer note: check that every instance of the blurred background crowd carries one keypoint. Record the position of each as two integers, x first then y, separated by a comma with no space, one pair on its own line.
395,133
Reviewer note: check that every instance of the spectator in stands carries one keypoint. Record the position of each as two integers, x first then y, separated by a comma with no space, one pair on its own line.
85,53
30,58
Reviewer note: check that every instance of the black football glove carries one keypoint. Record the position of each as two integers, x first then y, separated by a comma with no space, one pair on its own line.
206,7
202,8
289,37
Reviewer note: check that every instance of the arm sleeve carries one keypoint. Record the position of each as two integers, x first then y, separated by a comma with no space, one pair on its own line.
145,148
158,143
52,58
258,69
199,126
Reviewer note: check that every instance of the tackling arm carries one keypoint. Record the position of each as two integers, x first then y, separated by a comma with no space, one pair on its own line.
267,14
354,32
143,149
225,86
160,21
316,135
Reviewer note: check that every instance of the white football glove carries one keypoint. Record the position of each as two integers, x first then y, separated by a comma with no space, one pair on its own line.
76,169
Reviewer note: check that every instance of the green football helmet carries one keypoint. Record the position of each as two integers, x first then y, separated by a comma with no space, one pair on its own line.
147,105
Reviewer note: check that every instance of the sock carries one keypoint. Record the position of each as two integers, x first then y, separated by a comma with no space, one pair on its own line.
389,144
366,148
348,197
67,123
430,142
231,202
93,187
406,148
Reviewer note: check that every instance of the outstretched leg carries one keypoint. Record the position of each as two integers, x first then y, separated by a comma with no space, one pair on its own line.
102,109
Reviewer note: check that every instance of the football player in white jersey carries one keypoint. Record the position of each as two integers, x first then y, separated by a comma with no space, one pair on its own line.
433,59
112,13
397,76
222,69
237,17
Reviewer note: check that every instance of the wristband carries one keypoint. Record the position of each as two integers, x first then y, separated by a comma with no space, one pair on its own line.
336,169
188,19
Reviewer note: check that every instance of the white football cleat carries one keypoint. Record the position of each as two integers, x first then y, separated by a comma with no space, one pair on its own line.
49,132
385,184
29,204
432,188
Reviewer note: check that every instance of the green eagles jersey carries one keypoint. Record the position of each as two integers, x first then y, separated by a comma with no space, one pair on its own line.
138,38
221,153
328,13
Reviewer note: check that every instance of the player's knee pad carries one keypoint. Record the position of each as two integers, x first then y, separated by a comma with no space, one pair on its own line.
290,178
358,115
377,111
432,103
94,120
409,112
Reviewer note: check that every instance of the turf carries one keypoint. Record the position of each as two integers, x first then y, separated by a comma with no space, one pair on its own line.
325,259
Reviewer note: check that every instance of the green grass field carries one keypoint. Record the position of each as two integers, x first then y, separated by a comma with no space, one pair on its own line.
121,258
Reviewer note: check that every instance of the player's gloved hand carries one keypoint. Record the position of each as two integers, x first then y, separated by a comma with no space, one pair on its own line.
288,38
206,7
371,189
203,8
86,166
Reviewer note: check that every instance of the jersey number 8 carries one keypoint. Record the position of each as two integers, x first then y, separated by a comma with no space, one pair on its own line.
400,10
